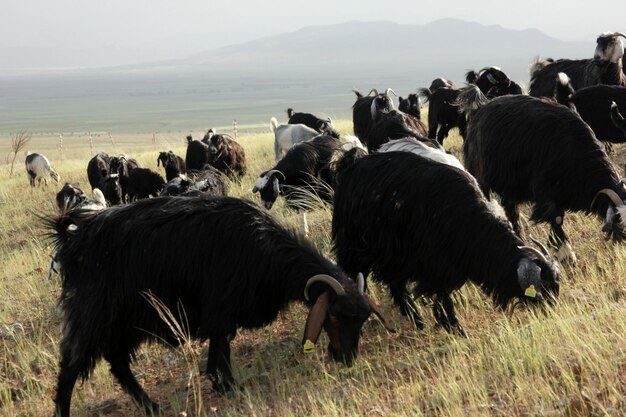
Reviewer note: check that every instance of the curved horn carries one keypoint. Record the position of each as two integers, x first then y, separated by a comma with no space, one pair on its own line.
534,251
360,283
374,90
387,91
326,279
619,34
541,245
270,172
610,194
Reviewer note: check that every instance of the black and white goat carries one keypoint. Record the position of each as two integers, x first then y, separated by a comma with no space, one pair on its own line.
70,197
391,218
367,108
307,165
593,104
39,169
322,126
243,268
208,181
489,78
606,67
173,164
530,150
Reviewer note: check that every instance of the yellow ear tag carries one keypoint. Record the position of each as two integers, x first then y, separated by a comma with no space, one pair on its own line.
309,347
531,291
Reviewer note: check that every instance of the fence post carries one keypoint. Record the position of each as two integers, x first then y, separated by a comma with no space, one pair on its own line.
91,143
111,138
154,140
235,129
61,145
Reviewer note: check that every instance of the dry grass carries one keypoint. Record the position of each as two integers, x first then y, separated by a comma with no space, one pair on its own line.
569,361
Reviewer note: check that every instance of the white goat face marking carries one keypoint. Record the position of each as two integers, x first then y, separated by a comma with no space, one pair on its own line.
617,51
622,216
373,109
261,181
276,186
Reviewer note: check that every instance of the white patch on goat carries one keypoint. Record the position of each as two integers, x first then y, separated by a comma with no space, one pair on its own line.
418,148
563,79
618,52
99,197
276,185
351,142
565,253
261,182
491,79
373,109
497,210
622,217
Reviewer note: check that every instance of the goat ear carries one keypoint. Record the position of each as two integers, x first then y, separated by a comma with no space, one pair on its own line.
159,161
377,311
314,322
255,189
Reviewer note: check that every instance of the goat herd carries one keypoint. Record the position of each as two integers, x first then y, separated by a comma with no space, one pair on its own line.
407,212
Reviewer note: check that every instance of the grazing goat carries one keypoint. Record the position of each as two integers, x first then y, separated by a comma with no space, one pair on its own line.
39,169
488,78
121,267
304,166
606,67
366,110
593,104
227,156
197,155
391,217
70,197
410,105
173,164
443,112
286,136
98,168
530,150
324,127
123,165
144,183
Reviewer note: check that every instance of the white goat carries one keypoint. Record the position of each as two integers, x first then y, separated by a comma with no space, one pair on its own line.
350,142
285,136
39,169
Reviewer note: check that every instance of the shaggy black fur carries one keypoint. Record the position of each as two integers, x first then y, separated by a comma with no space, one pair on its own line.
98,168
197,154
304,166
393,125
173,164
111,189
143,183
582,72
410,105
123,165
241,269
528,150
443,113
227,156
391,218
362,117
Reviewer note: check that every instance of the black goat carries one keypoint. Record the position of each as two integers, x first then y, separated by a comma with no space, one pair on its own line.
443,113
606,67
393,125
530,150
197,155
410,105
306,165
98,168
173,164
227,156
391,218
143,183
123,165
111,189
323,126
241,270
488,78
593,104
208,181
367,108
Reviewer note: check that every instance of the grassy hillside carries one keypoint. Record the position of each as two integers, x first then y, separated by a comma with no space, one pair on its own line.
568,361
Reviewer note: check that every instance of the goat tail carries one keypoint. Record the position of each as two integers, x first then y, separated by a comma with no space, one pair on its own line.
273,124
537,64
99,197
357,92
563,89
470,99
617,118
425,94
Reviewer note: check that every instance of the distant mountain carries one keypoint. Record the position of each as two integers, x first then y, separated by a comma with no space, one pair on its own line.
445,47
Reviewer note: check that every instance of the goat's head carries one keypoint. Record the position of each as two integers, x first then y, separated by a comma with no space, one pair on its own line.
325,127
56,177
70,197
163,158
609,47
538,274
219,145
341,310
268,186
110,187
615,220
382,102
207,137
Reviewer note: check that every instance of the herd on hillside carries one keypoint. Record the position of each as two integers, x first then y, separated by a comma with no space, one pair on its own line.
405,212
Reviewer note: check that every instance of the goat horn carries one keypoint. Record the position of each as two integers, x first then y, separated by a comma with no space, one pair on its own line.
360,283
541,245
374,90
269,173
326,279
392,92
619,34
534,251
610,194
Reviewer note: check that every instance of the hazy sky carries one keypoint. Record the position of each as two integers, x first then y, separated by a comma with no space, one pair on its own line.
129,31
